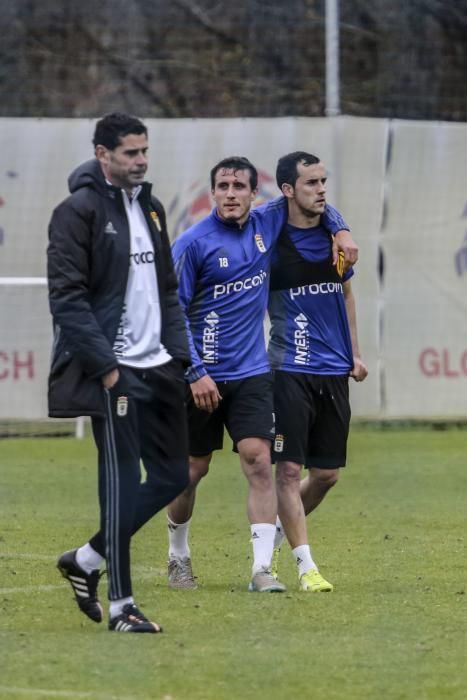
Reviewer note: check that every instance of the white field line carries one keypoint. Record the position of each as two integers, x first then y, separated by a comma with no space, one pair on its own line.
11,691
38,557
29,589
141,573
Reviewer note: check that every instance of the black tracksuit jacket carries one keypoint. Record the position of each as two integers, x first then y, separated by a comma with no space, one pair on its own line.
88,259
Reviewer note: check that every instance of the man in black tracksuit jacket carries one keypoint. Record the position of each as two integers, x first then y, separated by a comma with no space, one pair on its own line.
119,353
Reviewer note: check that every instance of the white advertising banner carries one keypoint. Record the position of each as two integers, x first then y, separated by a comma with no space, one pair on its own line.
414,211
37,157
25,345
424,346
361,146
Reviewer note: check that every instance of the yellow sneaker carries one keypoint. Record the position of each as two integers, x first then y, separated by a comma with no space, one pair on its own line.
275,562
313,582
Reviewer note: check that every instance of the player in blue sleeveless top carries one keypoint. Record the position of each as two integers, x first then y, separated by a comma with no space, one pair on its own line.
313,350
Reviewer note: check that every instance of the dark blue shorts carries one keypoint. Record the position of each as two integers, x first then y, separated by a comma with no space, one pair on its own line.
312,419
246,411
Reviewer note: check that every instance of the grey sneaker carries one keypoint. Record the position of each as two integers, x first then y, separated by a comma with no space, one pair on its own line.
180,573
264,582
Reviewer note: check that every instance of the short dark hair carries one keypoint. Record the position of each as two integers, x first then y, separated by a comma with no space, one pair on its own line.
114,126
286,171
236,163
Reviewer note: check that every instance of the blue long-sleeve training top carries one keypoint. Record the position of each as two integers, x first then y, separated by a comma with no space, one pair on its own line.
223,271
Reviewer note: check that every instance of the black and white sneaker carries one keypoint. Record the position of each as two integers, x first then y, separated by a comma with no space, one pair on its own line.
84,585
131,619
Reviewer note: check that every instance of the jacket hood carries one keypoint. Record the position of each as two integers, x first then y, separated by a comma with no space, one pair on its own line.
88,174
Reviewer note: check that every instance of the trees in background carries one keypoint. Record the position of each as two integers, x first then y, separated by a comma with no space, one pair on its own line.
206,58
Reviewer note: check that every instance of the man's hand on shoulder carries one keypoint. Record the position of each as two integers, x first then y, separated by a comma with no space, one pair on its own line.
205,393
344,243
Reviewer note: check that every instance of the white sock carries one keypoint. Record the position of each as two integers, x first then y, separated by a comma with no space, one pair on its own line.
262,538
116,606
279,535
88,559
304,560
178,539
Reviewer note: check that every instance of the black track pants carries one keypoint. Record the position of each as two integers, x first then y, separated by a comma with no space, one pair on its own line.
145,422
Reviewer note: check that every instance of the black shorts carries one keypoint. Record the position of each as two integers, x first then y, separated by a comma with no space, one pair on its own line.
246,411
312,419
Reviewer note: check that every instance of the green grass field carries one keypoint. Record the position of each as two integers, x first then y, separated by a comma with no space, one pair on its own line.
390,538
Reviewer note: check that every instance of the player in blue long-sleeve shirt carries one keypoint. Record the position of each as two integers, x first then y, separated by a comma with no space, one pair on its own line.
223,265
